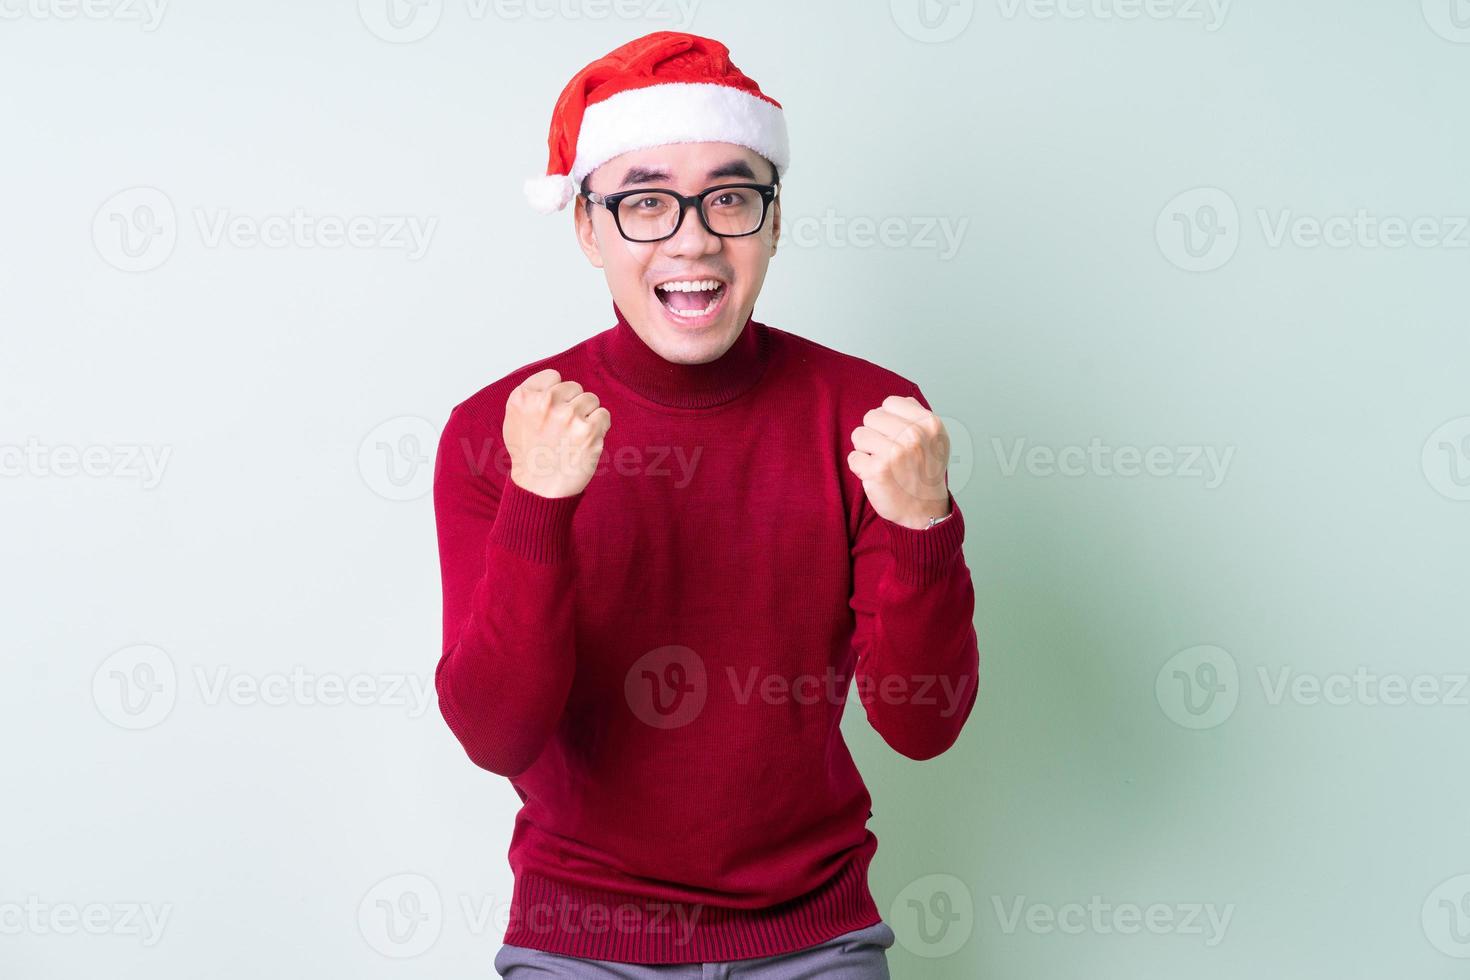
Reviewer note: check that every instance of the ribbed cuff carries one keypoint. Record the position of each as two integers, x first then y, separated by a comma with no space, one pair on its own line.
922,556
537,528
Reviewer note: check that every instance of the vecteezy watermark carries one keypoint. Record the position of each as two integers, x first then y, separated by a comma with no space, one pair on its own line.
1210,13
929,690
1450,19
118,461
408,233
1445,917
941,234
1187,462
1364,687
1104,918
147,14
932,21
393,458
933,916
404,914
1200,230
600,918
668,687
300,687
138,686
396,459
137,229
1445,459
406,21
401,916
1198,687
675,463
34,917
1363,229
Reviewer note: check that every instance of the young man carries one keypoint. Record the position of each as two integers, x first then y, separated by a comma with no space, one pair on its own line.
670,550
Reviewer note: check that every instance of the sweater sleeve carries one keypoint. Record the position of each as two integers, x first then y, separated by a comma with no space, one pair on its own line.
506,565
917,653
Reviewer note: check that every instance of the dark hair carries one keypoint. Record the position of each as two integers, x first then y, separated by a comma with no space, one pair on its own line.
587,205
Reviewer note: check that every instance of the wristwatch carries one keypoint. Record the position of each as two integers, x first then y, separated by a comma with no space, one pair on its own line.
939,520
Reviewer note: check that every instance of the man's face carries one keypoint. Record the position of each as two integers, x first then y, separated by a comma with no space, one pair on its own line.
635,270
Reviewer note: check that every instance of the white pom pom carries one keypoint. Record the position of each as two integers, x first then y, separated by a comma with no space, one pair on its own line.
550,193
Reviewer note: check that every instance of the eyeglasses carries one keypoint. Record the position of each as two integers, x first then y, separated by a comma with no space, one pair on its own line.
655,214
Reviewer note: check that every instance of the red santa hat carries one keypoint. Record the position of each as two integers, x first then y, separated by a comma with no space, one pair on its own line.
664,87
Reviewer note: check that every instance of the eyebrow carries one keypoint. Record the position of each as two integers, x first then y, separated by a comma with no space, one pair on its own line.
648,175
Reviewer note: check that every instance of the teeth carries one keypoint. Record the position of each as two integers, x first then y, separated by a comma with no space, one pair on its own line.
692,313
690,285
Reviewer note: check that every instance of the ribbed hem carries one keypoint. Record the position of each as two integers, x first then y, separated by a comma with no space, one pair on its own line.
922,556
535,527
558,917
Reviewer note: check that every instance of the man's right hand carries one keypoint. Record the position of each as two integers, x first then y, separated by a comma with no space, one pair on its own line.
554,432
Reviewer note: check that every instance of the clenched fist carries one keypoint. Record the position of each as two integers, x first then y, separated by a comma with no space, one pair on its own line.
553,431
901,453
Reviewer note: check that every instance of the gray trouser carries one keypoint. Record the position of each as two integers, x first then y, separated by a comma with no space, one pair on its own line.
856,955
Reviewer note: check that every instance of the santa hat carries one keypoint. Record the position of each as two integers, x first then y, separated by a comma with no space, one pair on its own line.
664,87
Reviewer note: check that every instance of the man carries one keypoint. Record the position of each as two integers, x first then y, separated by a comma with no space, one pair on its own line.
670,550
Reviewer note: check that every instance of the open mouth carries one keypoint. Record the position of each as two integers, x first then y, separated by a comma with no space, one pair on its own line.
690,299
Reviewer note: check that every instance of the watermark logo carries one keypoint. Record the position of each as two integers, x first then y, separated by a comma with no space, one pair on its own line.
34,917
1199,230
1363,229
406,21
1450,19
118,461
400,21
1446,917
136,687
401,916
932,21
1104,918
1364,688
1191,462
1209,13
934,916
940,234
135,230
1198,687
667,687
1445,459
147,14
396,459
961,466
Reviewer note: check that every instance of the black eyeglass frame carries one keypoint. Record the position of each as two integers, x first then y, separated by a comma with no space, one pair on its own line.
768,193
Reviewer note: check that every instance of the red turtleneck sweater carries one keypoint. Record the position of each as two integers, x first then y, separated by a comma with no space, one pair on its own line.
660,662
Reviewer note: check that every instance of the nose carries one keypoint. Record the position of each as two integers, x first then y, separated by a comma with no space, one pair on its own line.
692,238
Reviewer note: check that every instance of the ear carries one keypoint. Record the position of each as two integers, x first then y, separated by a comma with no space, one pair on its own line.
586,234
775,224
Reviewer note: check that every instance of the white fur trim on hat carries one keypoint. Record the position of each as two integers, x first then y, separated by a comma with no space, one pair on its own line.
679,112
550,192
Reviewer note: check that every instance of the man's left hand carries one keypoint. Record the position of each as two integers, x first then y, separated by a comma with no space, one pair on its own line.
901,453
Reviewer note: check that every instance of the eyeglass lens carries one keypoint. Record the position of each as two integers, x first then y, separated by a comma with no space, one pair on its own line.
732,211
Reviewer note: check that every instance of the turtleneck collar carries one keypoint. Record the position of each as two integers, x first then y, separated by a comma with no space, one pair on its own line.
626,357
